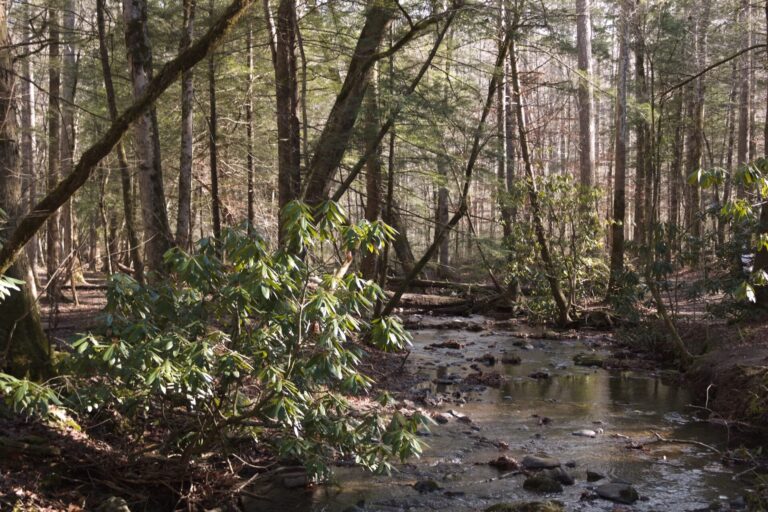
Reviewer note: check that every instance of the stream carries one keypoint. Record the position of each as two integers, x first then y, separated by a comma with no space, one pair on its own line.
536,416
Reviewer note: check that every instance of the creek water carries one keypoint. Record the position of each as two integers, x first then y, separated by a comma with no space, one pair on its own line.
537,417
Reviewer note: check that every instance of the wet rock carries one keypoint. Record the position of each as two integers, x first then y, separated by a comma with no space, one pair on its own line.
542,483
505,463
583,359
459,416
425,486
594,476
492,379
739,503
528,346
113,504
541,374
451,344
570,464
540,462
441,418
527,506
488,359
562,476
511,359
585,432
618,492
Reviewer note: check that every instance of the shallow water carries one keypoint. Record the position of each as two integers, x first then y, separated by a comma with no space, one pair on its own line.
677,477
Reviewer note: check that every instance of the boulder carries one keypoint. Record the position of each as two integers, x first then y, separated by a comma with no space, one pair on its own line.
542,483
584,359
618,492
540,462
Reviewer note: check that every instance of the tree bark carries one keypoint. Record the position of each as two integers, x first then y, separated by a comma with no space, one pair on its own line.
29,179
586,120
745,63
53,239
695,141
213,125
334,138
283,47
372,122
24,349
122,161
157,231
32,222
184,213
761,259
620,152
249,135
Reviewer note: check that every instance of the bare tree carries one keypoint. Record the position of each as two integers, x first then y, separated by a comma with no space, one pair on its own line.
157,232
24,349
620,150
586,119
184,213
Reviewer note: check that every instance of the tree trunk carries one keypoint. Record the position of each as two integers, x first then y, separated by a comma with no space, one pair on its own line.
24,349
249,134
761,259
28,174
372,122
334,138
53,247
676,167
695,141
643,135
184,213
286,91
586,122
122,161
157,232
745,63
563,308
69,77
213,123
620,152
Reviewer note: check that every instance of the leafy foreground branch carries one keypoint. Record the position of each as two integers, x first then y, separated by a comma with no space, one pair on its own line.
256,345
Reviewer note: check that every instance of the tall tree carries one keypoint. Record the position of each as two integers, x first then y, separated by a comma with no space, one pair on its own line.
249,131
126,182
213,123
695,139
157,232
333,140
745,63
283,47
24,349
586,119
372,122
563,308
620,149
53,239
184,213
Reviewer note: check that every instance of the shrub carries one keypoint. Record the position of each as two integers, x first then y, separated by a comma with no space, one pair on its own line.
238,339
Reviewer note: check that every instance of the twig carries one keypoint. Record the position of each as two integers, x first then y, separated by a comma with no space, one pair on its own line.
661,439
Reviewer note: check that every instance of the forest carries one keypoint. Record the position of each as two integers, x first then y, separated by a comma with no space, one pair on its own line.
383,255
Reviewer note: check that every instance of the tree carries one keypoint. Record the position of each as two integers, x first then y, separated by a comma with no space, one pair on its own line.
122,160
213,123
586,121
23,344
620,150
283,48
184,214
157,231
53,238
